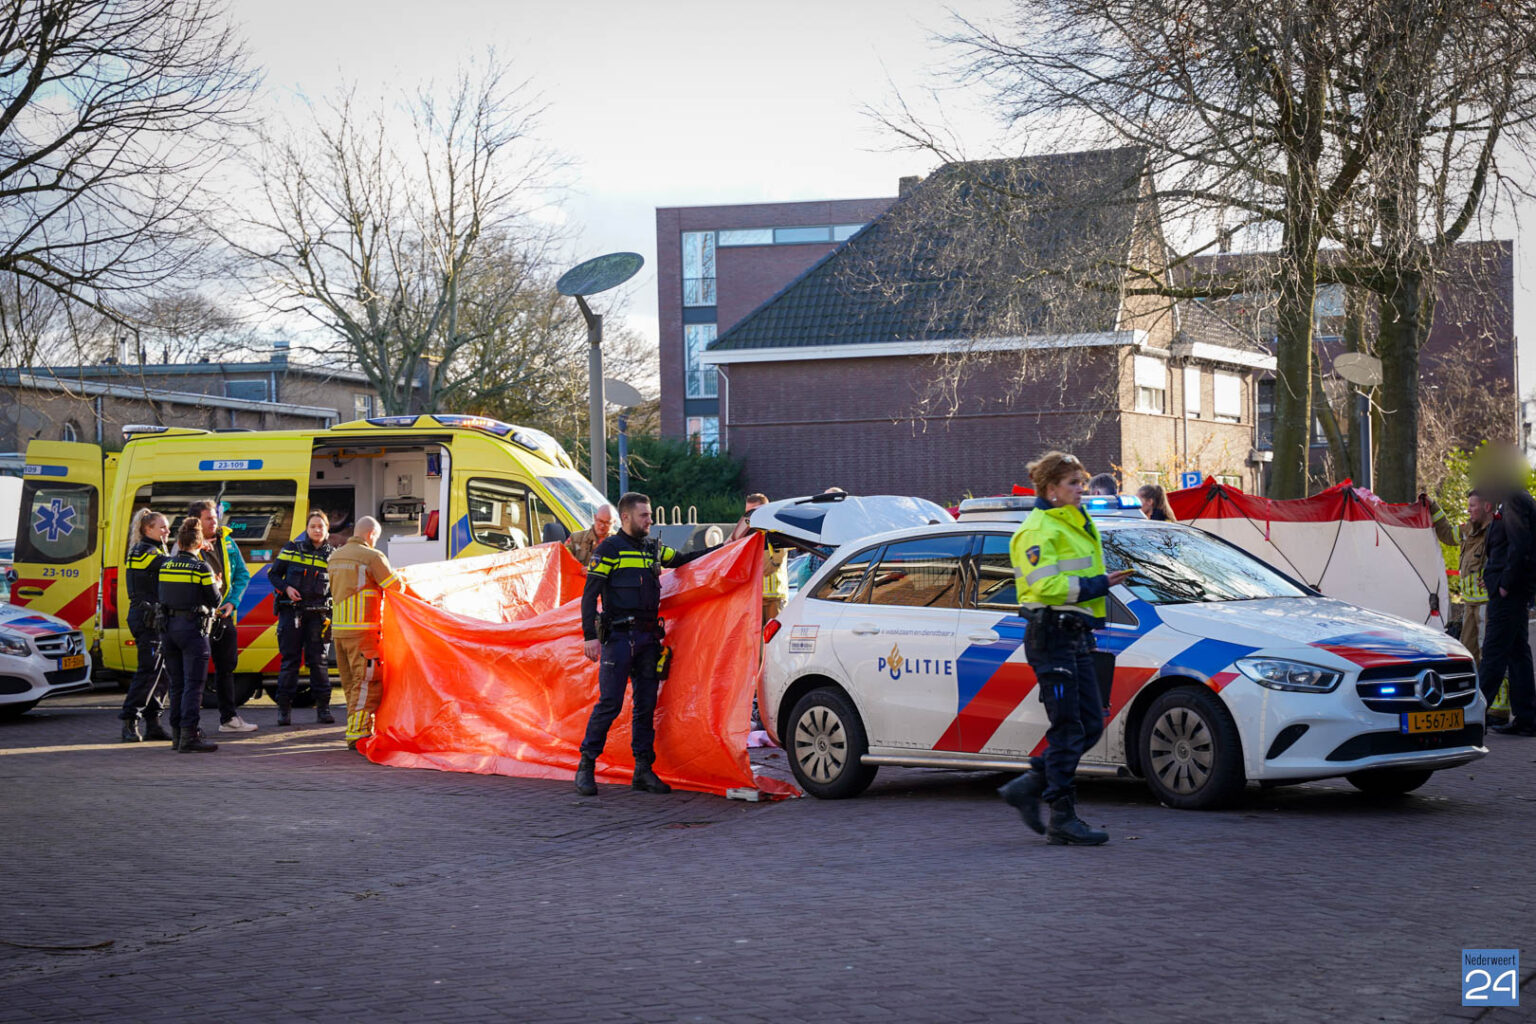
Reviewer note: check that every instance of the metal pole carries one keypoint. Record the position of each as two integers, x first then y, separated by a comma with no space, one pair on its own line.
1363,401
623,452
598,458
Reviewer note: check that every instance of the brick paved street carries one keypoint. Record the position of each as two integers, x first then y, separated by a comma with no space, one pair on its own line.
284,878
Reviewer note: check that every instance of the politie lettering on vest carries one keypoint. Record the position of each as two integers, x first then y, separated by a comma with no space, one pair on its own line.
1058,565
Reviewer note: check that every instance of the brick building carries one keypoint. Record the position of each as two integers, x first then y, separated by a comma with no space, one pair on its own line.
92,403
714,265
982,318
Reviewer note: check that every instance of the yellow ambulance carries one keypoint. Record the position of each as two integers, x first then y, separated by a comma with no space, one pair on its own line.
442,486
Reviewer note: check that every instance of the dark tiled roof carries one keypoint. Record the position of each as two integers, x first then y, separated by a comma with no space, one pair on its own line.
1199,323
145,371
980,249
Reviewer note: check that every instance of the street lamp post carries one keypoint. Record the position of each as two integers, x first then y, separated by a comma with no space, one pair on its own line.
597,275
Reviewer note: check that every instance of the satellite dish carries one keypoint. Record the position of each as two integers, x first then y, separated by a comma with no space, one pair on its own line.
1358,368
600,273
621,394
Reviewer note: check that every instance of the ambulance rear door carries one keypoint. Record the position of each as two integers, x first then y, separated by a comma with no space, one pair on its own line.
58,533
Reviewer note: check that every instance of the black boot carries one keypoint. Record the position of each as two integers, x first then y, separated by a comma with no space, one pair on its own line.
192,742
153,730
324,717
586,781
645,779
1023,793
175,737
284,714
1067,829
131,730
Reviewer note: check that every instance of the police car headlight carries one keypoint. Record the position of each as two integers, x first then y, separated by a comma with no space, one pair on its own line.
14,643
1279,674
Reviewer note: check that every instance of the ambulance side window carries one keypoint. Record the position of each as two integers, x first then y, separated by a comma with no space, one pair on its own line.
497,513
259,513
58,522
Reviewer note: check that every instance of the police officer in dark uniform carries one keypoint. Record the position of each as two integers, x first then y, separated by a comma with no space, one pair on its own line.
626,575
1509,575
302,586
190,599
146,694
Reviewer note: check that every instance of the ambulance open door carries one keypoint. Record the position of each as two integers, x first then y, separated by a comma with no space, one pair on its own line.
58,533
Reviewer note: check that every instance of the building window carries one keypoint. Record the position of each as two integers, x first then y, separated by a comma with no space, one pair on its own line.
704,434
1192,391
250,390
1228,404
362,406
702,380
1156,479
1329,301
1151,384
789,236
745,236
843,232
1266,414
698,268
1235,482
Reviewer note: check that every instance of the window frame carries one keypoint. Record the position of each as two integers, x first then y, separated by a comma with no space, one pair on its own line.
1193,409
860,591
961,575
469,510
25,550
1217,378
694,370
703,294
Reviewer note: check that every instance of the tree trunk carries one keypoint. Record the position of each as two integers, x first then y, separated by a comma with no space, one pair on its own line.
1293,361
1397,463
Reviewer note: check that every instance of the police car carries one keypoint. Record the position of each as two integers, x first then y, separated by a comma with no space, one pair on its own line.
40,656
1217,670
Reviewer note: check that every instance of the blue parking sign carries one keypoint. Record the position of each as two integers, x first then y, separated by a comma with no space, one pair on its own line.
1190,479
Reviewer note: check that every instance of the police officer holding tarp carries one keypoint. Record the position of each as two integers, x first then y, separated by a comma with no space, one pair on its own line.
1058,565
301,585
625,576
190,599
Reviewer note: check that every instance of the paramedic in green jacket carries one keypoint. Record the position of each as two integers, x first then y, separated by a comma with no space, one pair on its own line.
1058,565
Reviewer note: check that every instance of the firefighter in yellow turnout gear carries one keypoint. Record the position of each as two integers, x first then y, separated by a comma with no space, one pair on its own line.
360,573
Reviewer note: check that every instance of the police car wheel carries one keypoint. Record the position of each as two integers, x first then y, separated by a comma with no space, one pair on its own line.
8,711
827,744
1389,781
1191,755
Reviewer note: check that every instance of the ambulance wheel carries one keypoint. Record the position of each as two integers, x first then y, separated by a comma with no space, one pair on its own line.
1191,755
1389,781
827,745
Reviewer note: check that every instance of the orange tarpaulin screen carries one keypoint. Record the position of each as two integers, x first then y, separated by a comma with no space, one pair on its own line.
490,677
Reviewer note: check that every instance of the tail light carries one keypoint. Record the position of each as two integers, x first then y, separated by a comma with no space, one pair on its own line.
771,628
109,599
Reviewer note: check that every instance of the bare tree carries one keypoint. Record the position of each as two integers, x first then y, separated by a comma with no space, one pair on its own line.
1283,121
419,261
111,113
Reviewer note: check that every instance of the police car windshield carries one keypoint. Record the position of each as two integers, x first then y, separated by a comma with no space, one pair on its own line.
578,496
1177,565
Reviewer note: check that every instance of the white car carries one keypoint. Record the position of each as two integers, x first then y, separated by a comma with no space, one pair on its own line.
40,656
1217,670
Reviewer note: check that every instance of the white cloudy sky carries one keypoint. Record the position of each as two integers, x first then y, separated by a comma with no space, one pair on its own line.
660,103
672,102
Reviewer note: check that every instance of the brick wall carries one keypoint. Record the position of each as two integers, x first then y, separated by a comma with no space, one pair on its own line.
799,427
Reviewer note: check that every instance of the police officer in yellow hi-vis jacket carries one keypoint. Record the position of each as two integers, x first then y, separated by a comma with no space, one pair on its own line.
1058,564
360,573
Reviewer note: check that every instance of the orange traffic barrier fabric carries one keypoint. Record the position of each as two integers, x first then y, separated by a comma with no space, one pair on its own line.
484,671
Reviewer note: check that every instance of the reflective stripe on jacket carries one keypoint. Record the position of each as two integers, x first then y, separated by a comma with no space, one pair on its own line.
359,575
1058,560
775,577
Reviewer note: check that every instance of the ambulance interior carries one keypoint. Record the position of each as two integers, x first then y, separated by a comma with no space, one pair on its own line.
404,486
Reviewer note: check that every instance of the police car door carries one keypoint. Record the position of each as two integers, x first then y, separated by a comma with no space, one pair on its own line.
1000,712
899,646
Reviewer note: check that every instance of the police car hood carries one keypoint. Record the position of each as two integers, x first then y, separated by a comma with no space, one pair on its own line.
20,620
1293,625
831,520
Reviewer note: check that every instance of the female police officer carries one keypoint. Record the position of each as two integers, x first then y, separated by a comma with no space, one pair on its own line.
1058,564
302,584
146,694
190,597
